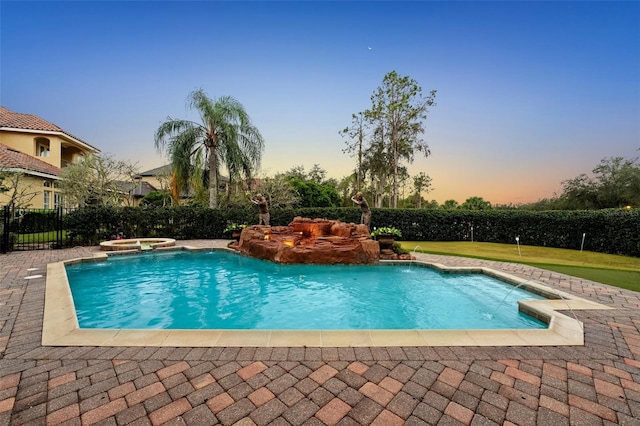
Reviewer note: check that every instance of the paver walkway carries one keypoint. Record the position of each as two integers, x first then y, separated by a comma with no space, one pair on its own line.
594,384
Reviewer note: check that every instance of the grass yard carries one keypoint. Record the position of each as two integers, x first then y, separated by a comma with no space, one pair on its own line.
619,271
39,237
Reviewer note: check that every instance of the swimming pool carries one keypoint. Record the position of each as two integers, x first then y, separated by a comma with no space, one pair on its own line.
60,325
221,290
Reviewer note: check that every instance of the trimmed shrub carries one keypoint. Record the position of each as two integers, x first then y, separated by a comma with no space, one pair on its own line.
607,231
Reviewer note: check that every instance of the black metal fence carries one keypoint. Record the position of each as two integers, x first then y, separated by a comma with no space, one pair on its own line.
31,229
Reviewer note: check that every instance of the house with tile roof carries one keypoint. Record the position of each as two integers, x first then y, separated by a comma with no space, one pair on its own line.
160,179
38,150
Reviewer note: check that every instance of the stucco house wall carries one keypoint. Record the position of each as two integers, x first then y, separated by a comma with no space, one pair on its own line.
40,193
38,150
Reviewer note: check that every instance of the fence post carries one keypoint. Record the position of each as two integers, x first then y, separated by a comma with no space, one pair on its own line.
4,241
59,228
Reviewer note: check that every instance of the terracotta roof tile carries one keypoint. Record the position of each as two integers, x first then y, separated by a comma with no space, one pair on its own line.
16,120
12,159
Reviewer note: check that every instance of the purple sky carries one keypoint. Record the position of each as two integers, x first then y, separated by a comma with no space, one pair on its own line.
529,93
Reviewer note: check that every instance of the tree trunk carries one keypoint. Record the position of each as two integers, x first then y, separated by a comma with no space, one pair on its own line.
394,142
213,178
379,193
359,172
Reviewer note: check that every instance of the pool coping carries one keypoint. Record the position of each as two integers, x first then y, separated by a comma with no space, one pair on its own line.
60,325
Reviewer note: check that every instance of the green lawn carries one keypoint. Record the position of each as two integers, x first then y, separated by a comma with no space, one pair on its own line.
39,237
620,271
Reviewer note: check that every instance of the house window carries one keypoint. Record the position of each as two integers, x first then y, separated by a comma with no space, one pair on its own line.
57,200
42,147
47,184
47,200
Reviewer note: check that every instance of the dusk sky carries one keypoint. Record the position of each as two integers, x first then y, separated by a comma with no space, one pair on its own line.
529,93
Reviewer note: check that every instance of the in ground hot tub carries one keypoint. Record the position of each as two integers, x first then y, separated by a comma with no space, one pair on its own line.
137,244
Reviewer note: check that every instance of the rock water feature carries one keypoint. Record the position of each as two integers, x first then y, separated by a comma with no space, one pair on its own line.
318,241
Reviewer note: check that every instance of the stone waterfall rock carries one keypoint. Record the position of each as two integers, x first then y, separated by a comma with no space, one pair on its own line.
318,241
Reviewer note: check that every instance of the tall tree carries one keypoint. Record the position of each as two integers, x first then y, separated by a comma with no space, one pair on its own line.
378,165
421,182
225,136
398,110
356,131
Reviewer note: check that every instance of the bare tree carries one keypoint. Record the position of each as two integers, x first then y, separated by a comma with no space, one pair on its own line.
278,191
20,195
98,180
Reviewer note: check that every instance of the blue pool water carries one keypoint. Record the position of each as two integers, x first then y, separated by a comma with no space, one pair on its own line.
221,290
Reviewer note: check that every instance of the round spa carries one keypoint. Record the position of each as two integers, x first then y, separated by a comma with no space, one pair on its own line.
137,244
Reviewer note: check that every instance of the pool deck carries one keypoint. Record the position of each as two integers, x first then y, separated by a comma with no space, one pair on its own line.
597,383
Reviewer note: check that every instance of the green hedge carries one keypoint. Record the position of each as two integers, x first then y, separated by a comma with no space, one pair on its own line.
606,231
32,221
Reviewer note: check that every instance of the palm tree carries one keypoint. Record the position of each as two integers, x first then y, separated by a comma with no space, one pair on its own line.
225,136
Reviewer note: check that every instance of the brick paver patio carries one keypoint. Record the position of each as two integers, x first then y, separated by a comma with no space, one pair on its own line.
594,384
